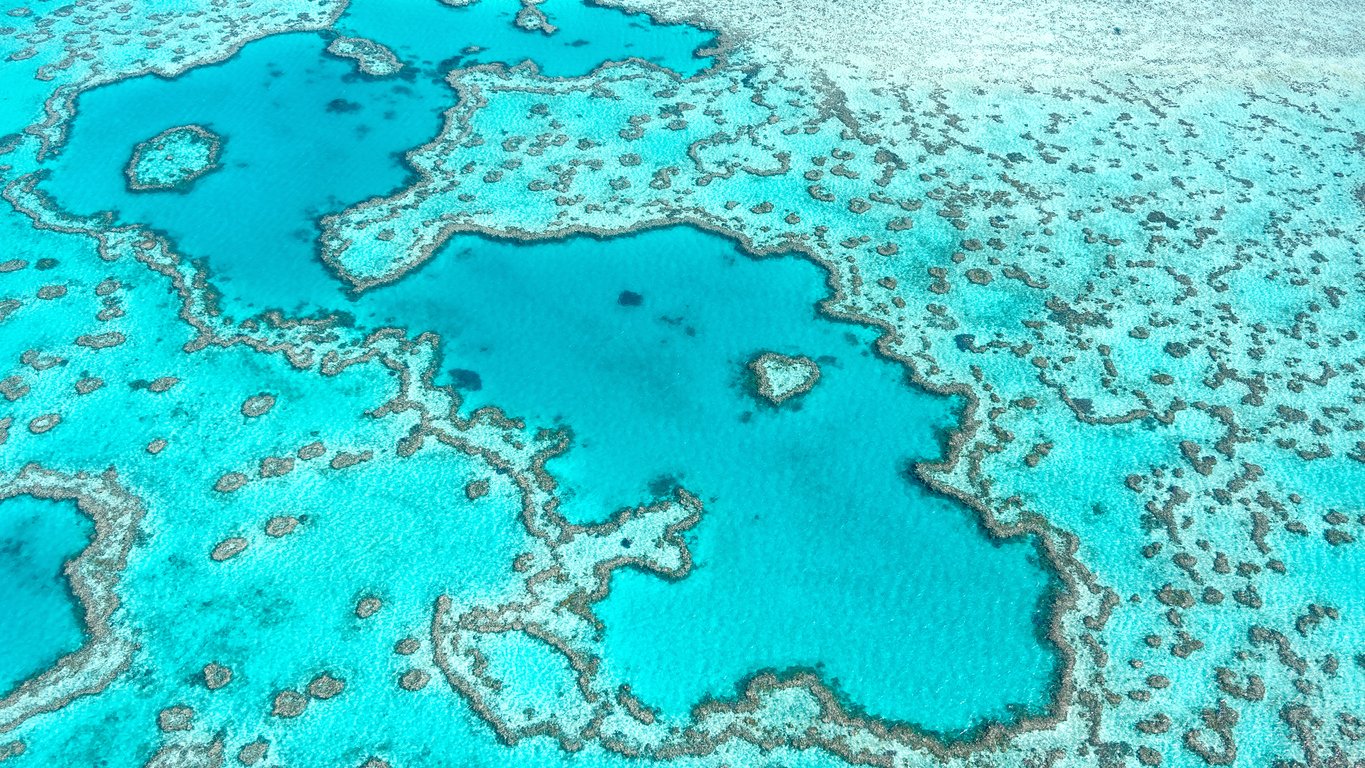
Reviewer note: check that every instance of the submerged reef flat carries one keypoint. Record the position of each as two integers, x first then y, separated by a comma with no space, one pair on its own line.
423,432
862,44
778,378
173,159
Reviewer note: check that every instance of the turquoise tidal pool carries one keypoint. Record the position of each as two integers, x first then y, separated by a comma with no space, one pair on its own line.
41,618
818,550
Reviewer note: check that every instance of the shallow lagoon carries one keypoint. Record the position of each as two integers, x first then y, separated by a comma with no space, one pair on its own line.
306,134
43,620
422,33
303,134
817,550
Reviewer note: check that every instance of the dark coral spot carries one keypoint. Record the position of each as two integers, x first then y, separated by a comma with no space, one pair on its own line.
342,106
466,379
663,485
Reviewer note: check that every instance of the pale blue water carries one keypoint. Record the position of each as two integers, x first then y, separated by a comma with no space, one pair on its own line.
308,136
818,548
858,563
304,135
811,507
437,37
676,411
43,620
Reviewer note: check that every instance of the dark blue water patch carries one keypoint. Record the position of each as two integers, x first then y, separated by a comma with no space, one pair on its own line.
465,380
437,37
303,136
818,547
40,620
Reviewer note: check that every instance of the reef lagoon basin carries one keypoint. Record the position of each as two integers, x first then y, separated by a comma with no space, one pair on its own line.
643,383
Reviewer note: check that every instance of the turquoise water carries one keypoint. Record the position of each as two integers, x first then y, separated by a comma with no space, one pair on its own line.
1150,288
282,612
304,136
42,619
438,37
307,136
679,411
858,565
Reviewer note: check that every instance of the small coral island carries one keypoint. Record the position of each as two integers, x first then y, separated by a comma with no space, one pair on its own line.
173,159
778,378
371,58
